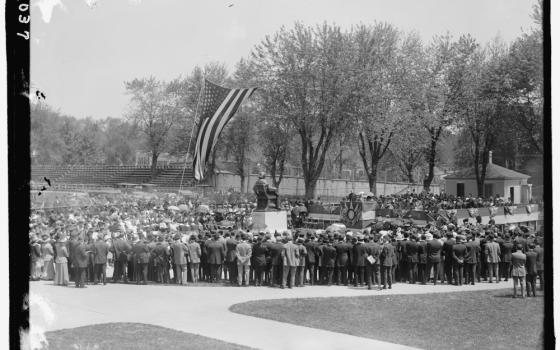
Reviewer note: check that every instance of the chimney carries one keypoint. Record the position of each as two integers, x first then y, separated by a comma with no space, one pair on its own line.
489,157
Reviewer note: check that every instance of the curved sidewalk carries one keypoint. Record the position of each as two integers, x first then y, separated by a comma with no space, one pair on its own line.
205,311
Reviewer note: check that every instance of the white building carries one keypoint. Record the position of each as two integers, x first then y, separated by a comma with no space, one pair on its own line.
498,181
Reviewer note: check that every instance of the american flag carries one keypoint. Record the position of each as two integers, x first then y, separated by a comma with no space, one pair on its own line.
219,104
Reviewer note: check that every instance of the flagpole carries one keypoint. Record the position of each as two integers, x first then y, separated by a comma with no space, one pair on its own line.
192,132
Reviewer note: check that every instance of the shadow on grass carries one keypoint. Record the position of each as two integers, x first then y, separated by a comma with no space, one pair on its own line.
497,320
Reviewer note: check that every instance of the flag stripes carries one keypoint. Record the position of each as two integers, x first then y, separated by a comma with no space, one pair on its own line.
218,108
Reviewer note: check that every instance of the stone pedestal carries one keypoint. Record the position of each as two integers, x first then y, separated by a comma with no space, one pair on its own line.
271,220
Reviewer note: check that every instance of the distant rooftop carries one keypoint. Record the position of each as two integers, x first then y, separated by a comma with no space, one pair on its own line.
493,172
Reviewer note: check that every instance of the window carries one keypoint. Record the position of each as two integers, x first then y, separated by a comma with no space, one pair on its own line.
488,190
460,190
511,193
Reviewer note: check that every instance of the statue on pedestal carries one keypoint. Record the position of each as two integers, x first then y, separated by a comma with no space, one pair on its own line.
267,196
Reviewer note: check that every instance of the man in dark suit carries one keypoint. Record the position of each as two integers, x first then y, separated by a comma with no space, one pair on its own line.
422,258
100,249
434,252
540,263
448,257
506,250
342,254
372,263
81,259
260,251
276,249
141,258
120,250
531,267
471,257
329,260
320,268
403,266
387,260
310,259
216,255
73,263
458,255
358,254
412,259
396,258
160,256
231,264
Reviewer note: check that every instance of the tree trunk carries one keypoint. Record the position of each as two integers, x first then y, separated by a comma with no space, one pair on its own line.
372,179
242,176
431,160
155,156
310,186
409,175
273,175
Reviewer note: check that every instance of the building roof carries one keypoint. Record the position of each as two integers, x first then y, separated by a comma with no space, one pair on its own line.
493,172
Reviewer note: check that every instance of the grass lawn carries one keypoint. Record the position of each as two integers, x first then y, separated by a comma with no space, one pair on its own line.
459,320
131,336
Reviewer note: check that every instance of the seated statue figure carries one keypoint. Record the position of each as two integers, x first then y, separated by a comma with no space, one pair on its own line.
267,196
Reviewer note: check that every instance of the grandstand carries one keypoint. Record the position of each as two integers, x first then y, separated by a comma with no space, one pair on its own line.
168,177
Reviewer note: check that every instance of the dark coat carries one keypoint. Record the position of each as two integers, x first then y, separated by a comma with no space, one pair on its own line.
412,252
359,254
540,258
448,249
459,251
396,254
388,255
507,250
434,250
342,253
276,249
72,245
329,256
374,250
260,250
310,246
160,254
422,252
471,253
231,246
531,263
121,248
216,252
81,255
101,249
141,253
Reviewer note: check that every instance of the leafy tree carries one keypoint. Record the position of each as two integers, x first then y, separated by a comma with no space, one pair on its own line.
183,138
375,104
275,140
408,150
525,70
304,72
155,109
478,83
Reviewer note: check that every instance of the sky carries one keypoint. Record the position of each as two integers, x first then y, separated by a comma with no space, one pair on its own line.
82,51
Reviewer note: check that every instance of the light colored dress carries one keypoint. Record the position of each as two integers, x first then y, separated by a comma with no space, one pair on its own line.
61,264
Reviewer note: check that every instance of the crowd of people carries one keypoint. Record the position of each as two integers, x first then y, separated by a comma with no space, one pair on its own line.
147,242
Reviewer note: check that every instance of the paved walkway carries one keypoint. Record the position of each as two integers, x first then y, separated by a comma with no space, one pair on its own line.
205,311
